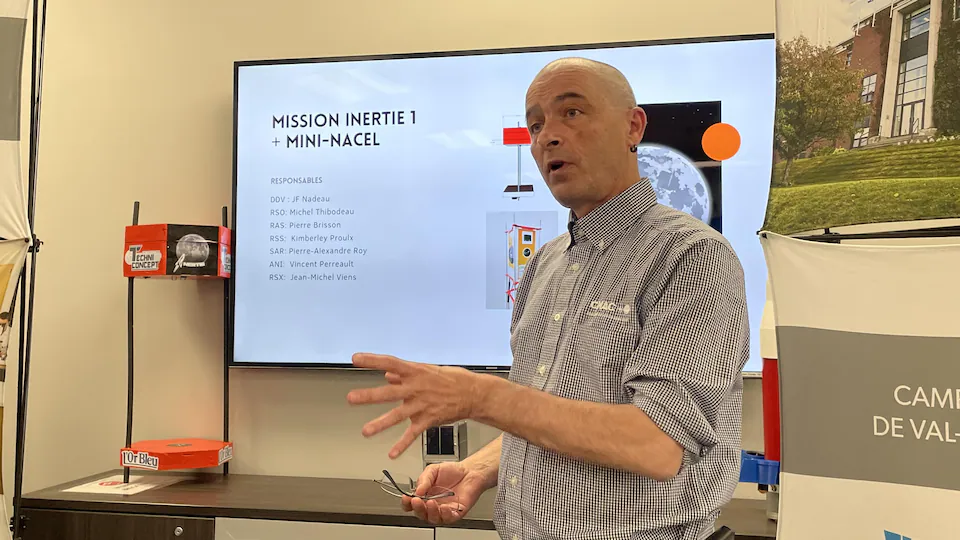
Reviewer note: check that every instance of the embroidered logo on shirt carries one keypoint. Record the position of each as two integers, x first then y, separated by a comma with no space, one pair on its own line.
609,310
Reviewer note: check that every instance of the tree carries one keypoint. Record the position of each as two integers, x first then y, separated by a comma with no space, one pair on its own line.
818,99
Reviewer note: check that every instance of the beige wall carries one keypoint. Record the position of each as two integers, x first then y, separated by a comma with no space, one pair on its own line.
137,103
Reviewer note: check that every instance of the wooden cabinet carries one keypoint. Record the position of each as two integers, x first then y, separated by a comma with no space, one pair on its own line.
66,525
465,534
258,529
208,506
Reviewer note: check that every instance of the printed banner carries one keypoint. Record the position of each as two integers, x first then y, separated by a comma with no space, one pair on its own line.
12,257
867,123
14,228
869,360
13,201
13,208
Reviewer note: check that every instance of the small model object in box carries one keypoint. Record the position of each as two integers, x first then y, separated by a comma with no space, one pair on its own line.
175,454
186,251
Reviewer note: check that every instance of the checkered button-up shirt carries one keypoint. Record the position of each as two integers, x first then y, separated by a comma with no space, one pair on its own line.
641,304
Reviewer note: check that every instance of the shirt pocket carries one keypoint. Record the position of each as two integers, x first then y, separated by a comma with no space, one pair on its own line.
605,344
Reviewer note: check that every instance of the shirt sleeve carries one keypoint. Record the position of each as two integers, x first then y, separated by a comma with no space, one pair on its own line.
693,345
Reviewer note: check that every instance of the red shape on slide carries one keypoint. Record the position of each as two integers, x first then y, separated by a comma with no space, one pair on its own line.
516,135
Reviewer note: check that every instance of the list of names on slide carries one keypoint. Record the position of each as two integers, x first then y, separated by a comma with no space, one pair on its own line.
310,237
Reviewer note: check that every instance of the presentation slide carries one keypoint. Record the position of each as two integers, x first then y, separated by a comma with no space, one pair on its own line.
391,205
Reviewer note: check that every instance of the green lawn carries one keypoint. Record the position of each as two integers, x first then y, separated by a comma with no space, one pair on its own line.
918,160
813,206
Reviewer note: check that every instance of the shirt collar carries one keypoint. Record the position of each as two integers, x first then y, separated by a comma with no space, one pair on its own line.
609,220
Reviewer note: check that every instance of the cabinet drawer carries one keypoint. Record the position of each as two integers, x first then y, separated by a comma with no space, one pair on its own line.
257,529
466,534
66,525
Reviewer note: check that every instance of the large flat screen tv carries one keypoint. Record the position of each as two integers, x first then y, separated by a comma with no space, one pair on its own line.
389,203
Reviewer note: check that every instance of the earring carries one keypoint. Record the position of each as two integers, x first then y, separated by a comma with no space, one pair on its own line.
633,148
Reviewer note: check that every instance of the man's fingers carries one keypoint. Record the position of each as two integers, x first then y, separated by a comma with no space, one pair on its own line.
451,512
380,394
409,436
392,378
433,513
382,362
419,509
386,421
427,478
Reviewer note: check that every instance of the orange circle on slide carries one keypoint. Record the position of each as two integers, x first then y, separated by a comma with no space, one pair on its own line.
721,141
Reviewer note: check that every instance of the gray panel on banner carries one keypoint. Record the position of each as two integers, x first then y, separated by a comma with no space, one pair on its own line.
11,62
870,407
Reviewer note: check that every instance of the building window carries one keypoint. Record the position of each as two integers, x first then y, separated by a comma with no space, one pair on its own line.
850,54
956,10
869,88
916,23
860,138
863,132
911,94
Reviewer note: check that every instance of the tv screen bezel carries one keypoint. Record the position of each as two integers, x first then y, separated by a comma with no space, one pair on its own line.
239,64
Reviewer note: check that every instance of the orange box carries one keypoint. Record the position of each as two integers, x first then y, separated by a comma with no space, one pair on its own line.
190,251
175,454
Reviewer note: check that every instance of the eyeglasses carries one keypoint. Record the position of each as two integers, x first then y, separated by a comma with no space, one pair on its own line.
389,485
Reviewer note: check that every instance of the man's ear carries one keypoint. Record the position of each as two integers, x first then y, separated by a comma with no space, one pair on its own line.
638,125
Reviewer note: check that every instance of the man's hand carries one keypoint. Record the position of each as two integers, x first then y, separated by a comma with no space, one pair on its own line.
430,395
458,478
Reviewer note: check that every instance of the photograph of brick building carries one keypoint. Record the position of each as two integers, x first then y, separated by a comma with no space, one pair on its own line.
894,47
868,114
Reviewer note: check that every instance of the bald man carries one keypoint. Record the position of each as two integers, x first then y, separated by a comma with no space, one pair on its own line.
621,415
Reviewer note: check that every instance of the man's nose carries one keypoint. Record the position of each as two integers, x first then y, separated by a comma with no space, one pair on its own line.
549,136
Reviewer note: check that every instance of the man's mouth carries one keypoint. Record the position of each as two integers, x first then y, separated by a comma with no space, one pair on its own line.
556,165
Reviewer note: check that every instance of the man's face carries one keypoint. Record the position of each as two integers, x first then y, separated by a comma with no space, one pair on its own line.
579,139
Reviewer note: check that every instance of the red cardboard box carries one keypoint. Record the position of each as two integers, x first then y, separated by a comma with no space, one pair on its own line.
188,251
174,454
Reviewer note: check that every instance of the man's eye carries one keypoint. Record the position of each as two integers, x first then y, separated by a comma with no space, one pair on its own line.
573,112
534,128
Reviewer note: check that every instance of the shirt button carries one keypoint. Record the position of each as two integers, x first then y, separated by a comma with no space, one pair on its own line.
515,537
558,316
513,481
541,369
575,267
600,244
